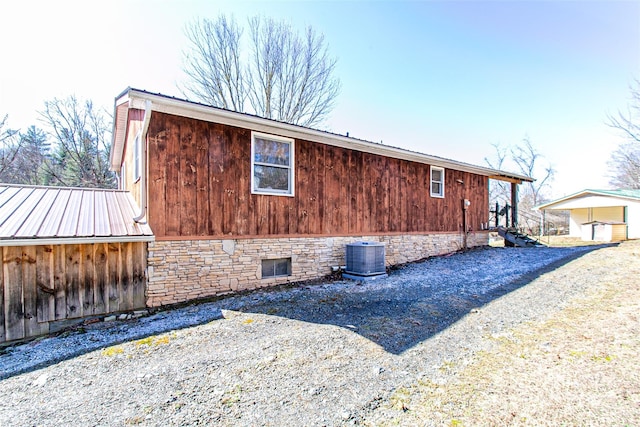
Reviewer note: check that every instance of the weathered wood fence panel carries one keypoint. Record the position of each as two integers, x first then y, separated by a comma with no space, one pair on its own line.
48,283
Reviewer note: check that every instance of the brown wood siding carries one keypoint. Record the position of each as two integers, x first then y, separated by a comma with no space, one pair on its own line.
47,283
200,179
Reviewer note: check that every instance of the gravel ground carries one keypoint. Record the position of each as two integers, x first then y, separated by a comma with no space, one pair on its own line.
324,354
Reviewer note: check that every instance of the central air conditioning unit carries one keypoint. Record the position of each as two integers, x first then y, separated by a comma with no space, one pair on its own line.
365,260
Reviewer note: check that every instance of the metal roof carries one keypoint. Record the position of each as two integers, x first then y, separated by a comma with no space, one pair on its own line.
627,193
564,203
136,98
34,215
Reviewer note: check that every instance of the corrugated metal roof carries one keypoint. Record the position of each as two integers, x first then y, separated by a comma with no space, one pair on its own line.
48,215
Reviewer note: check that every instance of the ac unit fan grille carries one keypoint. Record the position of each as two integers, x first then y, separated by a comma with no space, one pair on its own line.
365,259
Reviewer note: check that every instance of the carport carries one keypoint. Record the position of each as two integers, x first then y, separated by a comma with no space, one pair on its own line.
601,214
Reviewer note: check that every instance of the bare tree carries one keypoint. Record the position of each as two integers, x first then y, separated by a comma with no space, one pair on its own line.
284,76
213,63
499,191
625,166
629,123
9,148
81,134
625,160
528,161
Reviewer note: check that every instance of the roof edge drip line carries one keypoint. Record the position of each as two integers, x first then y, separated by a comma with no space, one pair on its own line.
181,107
74,240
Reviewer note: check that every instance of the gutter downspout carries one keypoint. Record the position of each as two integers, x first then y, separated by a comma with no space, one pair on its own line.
143,174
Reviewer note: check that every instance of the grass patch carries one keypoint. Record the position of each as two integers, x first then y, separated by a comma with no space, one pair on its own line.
112,351
144,343
152,341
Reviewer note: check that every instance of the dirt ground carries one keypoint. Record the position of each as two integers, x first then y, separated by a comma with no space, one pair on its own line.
551,241
563,241
578,367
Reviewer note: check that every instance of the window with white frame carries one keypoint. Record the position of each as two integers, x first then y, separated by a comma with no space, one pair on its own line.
137,158
437,181
272,164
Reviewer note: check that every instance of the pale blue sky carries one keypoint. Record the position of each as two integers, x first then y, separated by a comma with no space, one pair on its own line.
444,78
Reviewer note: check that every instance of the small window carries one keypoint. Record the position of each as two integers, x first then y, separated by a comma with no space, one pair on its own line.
123,176
137,158
272,164
437,182
276,267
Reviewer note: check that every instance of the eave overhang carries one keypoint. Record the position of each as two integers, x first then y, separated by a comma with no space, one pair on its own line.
120,126
180,107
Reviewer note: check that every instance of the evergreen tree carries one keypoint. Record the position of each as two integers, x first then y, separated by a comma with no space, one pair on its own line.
31,164
81,134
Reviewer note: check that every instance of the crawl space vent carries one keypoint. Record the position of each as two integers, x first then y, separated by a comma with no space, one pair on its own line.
365,259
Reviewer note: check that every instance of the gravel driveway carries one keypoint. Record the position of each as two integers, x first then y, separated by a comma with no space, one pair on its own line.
324,354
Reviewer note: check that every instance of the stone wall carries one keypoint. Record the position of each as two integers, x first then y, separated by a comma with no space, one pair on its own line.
182,270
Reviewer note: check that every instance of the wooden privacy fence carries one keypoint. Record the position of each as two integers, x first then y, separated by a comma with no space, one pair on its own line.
40,285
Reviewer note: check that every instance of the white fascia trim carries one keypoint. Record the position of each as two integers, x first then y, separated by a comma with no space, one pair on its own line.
74,240
579,194
549,205
211,114
120,125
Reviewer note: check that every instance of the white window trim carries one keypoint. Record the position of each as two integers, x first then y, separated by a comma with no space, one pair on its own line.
137,157
431,181
292,169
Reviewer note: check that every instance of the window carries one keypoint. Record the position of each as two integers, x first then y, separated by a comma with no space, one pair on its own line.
272,164
276,267
123,176
137,158
437,182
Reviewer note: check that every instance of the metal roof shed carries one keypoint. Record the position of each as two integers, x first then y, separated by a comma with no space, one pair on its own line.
68,253
33,215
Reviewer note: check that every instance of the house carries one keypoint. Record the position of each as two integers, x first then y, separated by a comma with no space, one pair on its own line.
237,201
604,215
67,253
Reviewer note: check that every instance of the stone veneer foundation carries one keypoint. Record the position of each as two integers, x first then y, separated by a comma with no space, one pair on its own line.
182,270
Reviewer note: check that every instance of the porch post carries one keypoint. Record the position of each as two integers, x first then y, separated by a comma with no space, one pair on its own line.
514,204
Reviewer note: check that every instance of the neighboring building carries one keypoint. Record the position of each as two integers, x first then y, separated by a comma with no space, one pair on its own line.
237,202
603,215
